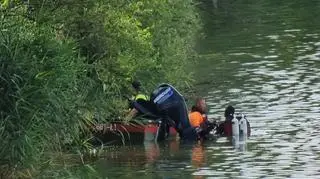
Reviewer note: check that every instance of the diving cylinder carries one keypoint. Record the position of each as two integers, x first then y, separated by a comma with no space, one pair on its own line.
235,126
243,127
235,132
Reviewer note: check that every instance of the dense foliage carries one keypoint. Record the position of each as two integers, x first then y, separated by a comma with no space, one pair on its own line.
62,61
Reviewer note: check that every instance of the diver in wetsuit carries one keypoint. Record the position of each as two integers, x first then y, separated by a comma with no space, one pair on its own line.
225,127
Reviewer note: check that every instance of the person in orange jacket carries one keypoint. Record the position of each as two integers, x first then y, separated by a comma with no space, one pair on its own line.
197,116
198,119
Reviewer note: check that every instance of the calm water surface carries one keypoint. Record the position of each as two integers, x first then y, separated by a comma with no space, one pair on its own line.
266,62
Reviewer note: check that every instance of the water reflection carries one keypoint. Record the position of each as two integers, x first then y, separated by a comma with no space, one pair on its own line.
282,103
170,156
198,155
152,152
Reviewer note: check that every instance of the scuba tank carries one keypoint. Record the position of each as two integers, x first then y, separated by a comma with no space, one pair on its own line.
243,127
235,132
235,126
243,131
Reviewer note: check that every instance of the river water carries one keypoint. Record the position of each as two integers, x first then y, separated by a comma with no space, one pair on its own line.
263,58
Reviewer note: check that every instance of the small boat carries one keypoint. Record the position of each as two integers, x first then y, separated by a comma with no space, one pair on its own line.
132,132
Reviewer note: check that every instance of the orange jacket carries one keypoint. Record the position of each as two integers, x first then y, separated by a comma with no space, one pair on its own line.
196,119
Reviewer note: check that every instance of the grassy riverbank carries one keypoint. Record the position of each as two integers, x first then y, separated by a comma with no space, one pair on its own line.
62,61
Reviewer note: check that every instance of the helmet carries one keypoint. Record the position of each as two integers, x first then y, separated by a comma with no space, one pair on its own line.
228,113
136,84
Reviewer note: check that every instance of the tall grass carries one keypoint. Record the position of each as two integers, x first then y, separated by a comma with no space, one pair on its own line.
41,92
62,62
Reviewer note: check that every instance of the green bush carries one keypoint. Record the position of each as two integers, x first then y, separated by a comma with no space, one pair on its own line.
40,90
64,61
